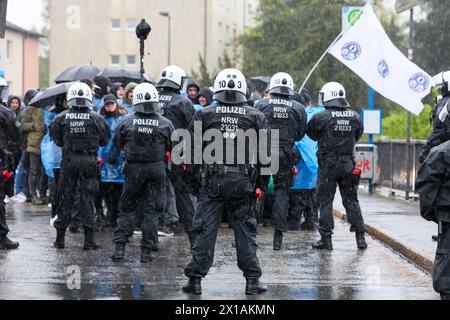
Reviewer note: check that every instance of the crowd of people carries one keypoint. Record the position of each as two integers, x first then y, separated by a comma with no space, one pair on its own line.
104,152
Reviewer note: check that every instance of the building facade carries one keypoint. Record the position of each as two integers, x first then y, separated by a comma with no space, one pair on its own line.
19,59
102,32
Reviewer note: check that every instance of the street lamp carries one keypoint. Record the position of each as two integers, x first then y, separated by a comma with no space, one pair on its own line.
142,31
166,14
402,6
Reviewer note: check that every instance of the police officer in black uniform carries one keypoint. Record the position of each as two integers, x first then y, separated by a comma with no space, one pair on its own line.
10,129
226,184
289,118
337,129
433,185
79,132
441,122
146,137
180,111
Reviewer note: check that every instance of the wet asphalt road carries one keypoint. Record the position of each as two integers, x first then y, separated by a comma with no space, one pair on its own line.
38,271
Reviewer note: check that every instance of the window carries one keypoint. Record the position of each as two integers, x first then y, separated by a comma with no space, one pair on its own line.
115,24
8,50
115,60
131,24
131,60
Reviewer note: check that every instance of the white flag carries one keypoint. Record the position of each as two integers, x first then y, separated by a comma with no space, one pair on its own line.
367,50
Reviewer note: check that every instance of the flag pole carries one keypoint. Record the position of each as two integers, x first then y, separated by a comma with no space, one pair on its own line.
328,49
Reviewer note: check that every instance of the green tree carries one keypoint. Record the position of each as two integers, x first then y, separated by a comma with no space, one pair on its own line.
291,35
431,37
203,76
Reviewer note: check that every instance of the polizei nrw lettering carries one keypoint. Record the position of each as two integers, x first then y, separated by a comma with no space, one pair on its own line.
78,116
281,101
342,114
145,122
229,109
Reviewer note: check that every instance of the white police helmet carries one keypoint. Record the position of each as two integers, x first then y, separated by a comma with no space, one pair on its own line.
4,90
172,77
333,95
282,83
146,99
230,87
79,95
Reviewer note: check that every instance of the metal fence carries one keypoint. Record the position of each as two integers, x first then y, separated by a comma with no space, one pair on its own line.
392,163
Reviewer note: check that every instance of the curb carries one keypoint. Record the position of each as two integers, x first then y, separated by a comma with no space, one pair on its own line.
414,256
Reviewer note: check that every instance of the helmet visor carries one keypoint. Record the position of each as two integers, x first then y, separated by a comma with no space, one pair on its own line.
339,103
285,91
230,97
164,83
4,94
82,103
147,108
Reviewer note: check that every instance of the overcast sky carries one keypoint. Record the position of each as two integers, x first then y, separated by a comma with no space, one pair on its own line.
32,15
25,13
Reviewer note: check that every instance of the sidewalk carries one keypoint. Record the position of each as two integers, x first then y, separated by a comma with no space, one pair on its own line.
398,224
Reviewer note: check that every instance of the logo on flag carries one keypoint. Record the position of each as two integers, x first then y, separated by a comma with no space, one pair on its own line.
383,69
419,82
351,51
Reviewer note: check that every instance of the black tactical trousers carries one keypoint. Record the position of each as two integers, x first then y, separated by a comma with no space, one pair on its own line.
78,172
303,203
282,183
185,205
207,222
3,226
144,188
441,266
338,171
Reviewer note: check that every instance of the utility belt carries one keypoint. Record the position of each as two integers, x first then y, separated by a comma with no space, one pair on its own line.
220,170
220,184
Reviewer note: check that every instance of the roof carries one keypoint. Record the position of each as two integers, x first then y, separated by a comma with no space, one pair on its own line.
25,32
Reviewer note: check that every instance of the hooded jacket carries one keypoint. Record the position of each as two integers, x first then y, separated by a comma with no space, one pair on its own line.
113,172
208,94
33,124
128,104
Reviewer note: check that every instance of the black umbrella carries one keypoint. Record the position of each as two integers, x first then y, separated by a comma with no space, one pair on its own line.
124,76
48,96
260,80
80,72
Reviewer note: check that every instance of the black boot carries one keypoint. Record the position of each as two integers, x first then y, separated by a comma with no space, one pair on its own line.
324,243
445,296
361,241
308,226
254,287
60,242
119,252
194,286
8,244
267,223
89,241
146,255
435,238
277,240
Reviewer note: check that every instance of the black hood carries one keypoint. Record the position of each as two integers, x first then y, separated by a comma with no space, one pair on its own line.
208,94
